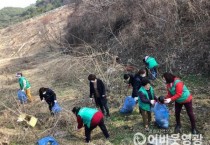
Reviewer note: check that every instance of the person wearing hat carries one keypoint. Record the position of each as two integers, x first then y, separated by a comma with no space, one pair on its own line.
151,66
49,96
97,89
24,85
90,118
146,100
179,93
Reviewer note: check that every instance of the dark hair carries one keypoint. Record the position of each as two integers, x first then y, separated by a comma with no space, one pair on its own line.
41,90
144,61
126,76
141,71
117,59
145,82
169,77
75,110
91,77
161,99
19,73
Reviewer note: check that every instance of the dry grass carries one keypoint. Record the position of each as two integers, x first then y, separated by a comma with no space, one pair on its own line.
46,59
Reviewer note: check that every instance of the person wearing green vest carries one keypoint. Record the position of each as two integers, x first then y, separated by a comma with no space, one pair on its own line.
146,100
90,118
24,85
151,65
179,93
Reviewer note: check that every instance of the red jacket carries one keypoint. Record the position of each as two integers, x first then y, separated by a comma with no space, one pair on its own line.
179,91
94,122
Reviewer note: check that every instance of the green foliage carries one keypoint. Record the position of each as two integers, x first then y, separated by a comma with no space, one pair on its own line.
10,15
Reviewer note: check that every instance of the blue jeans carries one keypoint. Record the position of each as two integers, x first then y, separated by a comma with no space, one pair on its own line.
153,74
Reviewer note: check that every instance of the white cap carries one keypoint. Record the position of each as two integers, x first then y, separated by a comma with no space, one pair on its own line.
146,57
18,74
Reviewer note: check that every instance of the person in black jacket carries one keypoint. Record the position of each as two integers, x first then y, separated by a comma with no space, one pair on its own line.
135,81
49,96
97,89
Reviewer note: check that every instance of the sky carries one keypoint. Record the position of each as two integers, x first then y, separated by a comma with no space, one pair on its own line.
16,3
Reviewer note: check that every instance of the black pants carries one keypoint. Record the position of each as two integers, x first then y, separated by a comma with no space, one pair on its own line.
189,109
50,104
102,103
102,127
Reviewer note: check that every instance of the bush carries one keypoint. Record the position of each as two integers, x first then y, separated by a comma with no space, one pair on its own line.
171,31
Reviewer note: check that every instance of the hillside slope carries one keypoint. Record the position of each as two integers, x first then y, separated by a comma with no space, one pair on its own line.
60,48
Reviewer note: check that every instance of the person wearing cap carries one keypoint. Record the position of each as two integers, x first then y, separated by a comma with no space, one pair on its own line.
179,93
97,89
135,81
49,96
90,118
24,85
151,65
146,100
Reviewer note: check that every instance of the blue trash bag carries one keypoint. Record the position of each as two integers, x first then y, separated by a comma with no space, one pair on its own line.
129,104
48,140
56,108
161,115
22,96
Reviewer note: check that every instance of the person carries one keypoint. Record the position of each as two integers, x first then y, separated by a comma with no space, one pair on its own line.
135,81
49,96
179,93
97,89
151,65
90,118
146,100
24,85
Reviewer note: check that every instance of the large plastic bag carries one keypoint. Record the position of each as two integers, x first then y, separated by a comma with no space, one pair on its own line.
56,108
129,104
161,115
22,96
48,140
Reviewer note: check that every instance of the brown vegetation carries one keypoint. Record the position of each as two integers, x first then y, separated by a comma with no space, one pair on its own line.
56,53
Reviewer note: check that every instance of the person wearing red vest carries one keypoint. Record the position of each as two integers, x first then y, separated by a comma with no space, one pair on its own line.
178,93
90,118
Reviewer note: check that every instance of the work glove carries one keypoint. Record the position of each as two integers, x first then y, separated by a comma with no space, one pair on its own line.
104,96
166,101
55,101
91,99
22,90
152,102
136,98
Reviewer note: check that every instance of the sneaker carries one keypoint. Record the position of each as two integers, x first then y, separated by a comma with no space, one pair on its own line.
194,131
52,114
177,129
146,129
